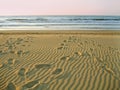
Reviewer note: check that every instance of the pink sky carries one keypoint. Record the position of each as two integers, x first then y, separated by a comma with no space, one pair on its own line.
59,7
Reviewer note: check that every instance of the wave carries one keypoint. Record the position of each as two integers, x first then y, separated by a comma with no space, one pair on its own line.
29,20
61,21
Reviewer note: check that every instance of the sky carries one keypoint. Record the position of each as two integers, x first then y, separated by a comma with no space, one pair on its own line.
59,7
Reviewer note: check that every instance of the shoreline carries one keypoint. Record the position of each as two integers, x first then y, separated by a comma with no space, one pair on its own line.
84,32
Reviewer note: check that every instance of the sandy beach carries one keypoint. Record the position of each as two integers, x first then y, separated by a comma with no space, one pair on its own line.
67,60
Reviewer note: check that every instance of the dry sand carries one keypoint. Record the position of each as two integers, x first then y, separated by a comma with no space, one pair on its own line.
59,61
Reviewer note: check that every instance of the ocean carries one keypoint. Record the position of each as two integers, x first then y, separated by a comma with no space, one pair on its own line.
59,22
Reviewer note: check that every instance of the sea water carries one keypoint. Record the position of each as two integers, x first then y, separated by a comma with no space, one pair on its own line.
60,22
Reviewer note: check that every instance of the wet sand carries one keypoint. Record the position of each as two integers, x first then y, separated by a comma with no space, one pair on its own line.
67,60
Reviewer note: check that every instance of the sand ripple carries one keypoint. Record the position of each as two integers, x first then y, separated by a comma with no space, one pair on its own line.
59,62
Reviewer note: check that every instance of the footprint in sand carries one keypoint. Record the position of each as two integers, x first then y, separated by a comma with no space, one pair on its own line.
2,52
10,47
17,43
78,53
57,71
91,49
42,86
26,52
100,60
65,41
30,85
20,53
59,48
86,54
1,65
64,75
26,41
4,65
86,42
64,58
11,61
30,72
21,72
45,66
36,68
11,86
13,52
71,58
81,43
23,45
19,39
67,58
62,44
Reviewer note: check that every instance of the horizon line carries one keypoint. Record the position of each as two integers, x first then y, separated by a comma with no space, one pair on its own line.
64,15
